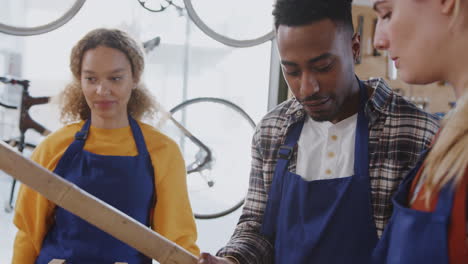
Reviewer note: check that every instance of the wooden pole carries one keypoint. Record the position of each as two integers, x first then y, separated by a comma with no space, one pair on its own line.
91,209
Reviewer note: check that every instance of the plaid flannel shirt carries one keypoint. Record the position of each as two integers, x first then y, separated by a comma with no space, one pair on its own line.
398,132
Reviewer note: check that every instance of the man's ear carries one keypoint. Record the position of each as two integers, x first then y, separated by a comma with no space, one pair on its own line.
356,46
448,6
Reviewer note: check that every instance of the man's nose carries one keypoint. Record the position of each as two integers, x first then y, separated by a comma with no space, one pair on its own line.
309,85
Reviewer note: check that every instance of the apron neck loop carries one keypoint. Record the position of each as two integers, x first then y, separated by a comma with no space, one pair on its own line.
82,135
286,150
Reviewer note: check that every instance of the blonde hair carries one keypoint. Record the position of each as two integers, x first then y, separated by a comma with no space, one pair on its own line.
448,159
73,104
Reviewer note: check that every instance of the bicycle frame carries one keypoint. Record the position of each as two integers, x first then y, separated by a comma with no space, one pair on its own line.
25,122
27,101
200,165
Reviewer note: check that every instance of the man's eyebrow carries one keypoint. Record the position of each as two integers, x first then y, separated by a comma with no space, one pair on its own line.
319,58
311,61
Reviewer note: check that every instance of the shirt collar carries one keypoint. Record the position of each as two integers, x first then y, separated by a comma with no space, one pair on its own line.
380,99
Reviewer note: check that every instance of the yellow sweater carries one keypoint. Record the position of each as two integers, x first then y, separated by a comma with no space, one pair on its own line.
173,216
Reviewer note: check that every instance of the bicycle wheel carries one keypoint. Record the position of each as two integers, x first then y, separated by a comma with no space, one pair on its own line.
235,16
7,28
218,187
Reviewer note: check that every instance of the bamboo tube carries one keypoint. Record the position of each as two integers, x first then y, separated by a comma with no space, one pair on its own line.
91,209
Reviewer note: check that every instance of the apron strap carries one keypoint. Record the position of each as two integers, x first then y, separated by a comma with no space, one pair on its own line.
76,146
286,150
82,135
285,153
143,152
138,136
445,202
361,146
405,185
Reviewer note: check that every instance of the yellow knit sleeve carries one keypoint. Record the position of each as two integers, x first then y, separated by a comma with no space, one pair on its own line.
33,212
173,217
32,217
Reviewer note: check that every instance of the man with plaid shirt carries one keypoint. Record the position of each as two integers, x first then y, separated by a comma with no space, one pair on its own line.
326,162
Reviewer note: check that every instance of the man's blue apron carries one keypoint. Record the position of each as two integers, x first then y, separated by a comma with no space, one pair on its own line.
412,236
125,182
323,221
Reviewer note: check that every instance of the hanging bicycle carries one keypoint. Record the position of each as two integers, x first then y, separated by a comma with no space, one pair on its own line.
225,28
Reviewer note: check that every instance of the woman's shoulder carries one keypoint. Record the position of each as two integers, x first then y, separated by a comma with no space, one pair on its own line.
54,145
59,138
66,133
156,140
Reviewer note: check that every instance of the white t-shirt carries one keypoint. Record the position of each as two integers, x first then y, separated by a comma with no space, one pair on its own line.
326,150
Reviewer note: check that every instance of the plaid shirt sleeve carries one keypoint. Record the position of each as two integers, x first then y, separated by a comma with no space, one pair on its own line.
247,245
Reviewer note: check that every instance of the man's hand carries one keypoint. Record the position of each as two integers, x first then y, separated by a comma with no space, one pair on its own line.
206,258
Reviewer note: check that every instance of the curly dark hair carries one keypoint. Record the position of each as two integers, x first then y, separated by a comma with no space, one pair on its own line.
303,12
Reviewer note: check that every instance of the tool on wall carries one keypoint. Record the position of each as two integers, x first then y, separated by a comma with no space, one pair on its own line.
375,51
360,30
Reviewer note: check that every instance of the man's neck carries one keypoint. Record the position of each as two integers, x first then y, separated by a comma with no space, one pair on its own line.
350,105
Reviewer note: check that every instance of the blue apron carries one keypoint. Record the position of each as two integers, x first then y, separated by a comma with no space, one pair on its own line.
412,236
323,221
125,182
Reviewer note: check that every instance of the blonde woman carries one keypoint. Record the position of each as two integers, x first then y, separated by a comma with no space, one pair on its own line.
107,151
428,41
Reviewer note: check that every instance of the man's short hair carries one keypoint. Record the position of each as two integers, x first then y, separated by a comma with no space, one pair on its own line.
302,12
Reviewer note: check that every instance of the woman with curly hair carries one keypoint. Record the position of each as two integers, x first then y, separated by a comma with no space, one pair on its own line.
109,152
428,41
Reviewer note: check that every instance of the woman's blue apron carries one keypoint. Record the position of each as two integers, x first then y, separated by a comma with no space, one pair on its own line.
412,236
125,182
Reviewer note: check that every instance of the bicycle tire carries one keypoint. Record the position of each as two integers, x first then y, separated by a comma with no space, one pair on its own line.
244,115
221,38
30,31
